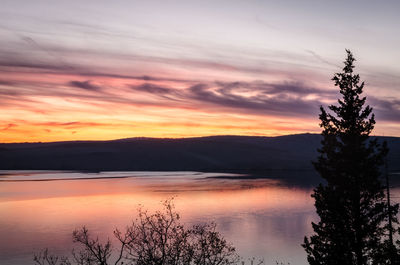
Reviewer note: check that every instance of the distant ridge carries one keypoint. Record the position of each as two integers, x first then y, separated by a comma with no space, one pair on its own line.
249,154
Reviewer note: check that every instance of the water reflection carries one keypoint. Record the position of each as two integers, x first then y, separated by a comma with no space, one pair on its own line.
262,217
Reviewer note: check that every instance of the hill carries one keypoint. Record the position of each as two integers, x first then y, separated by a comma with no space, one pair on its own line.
248,154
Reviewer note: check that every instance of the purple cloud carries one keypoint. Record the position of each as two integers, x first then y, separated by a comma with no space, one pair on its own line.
84,85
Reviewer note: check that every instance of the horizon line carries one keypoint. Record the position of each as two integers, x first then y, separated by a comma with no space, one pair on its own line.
178,138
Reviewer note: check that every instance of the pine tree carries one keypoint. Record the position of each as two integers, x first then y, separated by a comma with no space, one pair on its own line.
351,204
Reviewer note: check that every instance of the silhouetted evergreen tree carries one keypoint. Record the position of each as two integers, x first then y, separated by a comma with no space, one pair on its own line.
351,205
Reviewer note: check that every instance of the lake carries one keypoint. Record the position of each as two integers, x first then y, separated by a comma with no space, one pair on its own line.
263,218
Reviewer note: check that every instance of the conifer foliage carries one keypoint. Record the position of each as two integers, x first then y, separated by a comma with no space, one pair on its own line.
351,204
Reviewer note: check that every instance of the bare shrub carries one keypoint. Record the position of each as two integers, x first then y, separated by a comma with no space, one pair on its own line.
152,239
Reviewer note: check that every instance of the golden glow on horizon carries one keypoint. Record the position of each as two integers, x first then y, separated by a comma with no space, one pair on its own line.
92,131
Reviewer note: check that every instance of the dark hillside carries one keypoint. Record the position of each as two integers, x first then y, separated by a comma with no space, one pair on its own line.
216,153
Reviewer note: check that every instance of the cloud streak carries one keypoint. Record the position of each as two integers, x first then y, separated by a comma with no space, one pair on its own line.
87,85
289,98
284,99
154,89
70,125
8,126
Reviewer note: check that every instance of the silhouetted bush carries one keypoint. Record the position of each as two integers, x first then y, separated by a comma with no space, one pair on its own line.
152,239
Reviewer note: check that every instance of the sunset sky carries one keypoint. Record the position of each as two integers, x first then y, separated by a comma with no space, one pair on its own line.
99,70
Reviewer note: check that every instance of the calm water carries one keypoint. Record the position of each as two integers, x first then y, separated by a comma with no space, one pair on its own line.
262,218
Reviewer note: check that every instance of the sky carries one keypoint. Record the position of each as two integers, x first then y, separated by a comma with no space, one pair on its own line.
101,70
